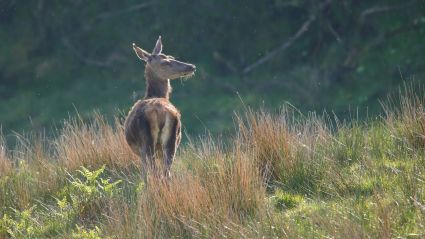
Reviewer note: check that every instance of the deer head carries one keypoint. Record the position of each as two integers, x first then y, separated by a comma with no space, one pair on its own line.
164,66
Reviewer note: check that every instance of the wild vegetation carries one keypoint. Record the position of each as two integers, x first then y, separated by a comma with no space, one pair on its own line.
282,175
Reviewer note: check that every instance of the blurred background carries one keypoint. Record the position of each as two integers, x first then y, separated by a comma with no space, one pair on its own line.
60,57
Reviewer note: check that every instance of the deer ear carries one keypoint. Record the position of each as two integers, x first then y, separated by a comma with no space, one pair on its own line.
142,54
158,47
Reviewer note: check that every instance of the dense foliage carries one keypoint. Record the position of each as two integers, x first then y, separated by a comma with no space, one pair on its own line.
56,56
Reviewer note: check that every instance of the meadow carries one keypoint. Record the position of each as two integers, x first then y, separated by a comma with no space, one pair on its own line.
282,174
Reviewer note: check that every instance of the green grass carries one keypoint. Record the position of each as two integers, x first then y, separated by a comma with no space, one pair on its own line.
282,175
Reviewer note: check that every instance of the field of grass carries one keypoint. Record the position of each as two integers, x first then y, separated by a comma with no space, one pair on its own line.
282,175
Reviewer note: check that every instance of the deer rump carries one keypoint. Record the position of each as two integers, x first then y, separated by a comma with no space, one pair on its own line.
152,129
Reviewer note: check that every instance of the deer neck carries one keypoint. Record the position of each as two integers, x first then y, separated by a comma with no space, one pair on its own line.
155,86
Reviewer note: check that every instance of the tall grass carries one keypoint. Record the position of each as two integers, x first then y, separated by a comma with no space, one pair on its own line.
93,144
283,174
405,116
5,163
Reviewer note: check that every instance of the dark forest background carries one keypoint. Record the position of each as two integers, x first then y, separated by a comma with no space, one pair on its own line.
60,57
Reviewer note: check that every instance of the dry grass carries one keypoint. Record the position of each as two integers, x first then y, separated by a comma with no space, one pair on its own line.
405,116
270,140
287,147
337,180
5,163
219,191
93,144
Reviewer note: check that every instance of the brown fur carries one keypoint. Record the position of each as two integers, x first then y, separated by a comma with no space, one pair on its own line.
153,126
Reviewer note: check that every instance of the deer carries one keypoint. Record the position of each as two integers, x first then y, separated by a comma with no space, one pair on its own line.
153,127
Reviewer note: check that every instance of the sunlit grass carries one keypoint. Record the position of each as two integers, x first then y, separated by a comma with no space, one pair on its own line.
282,174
